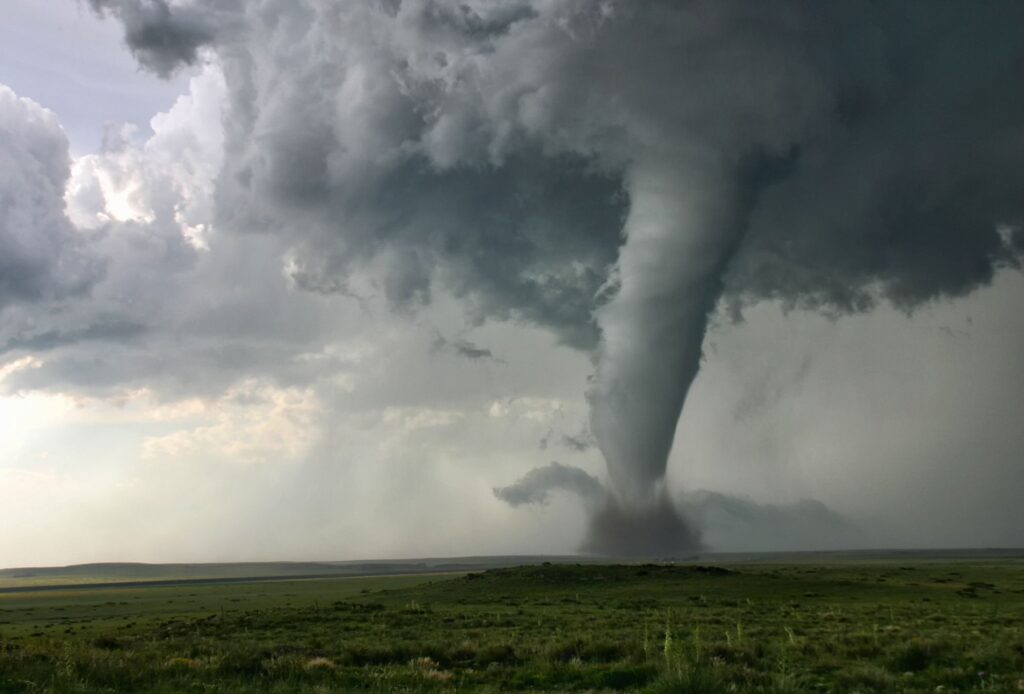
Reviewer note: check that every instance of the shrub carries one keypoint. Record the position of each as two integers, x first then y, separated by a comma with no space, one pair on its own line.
917,655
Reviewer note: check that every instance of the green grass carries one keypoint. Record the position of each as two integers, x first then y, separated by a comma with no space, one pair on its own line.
913,626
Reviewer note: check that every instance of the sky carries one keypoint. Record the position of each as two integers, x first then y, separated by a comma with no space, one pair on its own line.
309,280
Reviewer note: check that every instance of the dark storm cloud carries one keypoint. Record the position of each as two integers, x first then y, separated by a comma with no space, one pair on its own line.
530,241
163,37
612,170
905,145
904,196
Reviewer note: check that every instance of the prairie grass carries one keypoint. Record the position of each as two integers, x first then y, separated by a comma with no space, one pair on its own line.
927,627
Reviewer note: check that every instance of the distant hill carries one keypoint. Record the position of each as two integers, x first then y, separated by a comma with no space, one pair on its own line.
105,573
137,572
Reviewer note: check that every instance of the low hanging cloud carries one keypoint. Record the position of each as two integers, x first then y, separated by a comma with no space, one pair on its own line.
536,486
463,348
737,524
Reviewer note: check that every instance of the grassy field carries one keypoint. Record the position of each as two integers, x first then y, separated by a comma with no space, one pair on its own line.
922,626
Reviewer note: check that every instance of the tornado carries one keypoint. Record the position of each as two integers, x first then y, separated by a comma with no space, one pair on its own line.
683,224
679,233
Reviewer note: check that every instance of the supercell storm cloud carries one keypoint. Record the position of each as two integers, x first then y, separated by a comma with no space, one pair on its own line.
611,171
